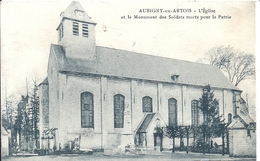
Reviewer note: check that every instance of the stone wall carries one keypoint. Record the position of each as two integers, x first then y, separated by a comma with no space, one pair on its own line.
53,80
242,144
71,88
103,89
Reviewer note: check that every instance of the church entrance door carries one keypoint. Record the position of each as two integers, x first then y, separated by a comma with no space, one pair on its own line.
158,141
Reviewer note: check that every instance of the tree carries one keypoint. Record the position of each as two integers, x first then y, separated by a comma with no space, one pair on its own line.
31,116
7,114
35,114
23,119
211,119
208,104
172,132
27,127
235,64
8,121
5,121
20,119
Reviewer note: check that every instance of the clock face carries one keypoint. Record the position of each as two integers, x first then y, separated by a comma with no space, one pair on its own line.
79,13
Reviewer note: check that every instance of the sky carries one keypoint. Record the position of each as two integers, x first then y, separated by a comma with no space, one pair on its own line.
29,27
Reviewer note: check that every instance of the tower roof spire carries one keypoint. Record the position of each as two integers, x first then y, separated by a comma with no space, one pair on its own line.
76,12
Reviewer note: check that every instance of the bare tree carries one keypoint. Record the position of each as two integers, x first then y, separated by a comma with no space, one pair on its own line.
35,111
27,120
237,65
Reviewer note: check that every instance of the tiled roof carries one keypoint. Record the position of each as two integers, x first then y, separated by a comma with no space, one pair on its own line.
120,63
237,124
148,118
246,117
242,121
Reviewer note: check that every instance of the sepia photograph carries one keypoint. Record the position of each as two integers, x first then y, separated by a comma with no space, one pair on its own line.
128,80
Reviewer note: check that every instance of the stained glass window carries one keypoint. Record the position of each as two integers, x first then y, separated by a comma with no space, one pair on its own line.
194,113
172,112
147,104
87,110
119,108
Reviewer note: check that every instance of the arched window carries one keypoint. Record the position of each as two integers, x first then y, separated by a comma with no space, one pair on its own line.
147,104
172,112
87,110
119,108
229,118
194,113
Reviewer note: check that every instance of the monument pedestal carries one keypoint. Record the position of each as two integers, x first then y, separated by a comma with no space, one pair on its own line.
126,139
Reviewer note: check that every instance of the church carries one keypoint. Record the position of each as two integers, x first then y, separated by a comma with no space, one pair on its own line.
104,97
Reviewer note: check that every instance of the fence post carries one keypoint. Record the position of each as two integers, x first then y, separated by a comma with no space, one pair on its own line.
223,136
187,132
203,129
227,140
180,138
194,135
173,140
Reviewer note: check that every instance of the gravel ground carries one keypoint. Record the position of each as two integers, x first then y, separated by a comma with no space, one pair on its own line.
100,156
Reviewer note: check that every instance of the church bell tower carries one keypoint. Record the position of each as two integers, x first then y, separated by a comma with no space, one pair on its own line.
76,33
